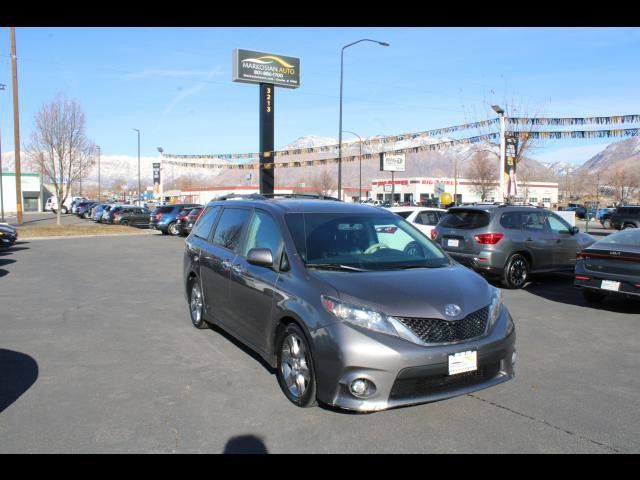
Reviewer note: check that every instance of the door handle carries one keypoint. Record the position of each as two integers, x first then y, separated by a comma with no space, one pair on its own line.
226,264
529,239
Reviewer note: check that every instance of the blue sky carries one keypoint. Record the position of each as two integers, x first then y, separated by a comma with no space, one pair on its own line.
174,84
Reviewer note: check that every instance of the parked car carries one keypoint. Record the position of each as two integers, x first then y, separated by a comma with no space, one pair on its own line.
8,235
75,202
182,219
610,266
107,216
97,212
316,288
604,216
510,242
423,218
135,217
52,204
164,218
192,218
82,207
627,216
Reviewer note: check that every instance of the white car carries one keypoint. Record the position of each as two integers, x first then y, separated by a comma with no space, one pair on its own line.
423,218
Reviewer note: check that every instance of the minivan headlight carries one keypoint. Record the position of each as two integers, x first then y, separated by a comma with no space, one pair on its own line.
495,307
361,316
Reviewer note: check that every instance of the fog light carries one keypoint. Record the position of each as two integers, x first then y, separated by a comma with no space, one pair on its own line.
361,387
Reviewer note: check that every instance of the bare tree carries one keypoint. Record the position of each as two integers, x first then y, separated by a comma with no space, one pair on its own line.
60,147
483,172
322,183
624,182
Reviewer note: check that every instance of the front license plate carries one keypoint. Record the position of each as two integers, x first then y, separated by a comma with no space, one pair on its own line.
610,285
463,362
453,242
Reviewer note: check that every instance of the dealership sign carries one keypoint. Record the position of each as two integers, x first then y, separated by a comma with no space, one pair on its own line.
260,67
390,162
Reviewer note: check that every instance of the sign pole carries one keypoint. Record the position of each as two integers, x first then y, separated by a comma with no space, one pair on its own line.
393,186
266,176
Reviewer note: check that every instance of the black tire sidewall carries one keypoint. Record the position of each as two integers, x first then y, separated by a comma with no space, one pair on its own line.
309,397
505,276
170,227
203,323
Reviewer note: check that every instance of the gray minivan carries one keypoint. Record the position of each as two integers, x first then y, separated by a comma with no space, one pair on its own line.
510,242
350,304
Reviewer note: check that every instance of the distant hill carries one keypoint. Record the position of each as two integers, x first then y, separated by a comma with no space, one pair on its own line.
625,153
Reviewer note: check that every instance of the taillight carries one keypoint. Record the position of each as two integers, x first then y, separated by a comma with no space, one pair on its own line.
581,255
434,234
488,238
199,213
582,277
158,216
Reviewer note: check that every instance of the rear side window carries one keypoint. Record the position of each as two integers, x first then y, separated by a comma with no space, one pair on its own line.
230,226
427,218
511,220
202,229
163,210
465,219
404,215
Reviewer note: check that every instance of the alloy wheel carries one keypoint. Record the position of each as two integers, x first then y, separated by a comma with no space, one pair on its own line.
294,365
518,272
195,304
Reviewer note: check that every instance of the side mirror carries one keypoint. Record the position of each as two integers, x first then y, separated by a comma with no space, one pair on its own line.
574,230
261,257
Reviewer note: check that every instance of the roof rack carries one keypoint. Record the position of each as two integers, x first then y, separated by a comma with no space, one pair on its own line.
266,196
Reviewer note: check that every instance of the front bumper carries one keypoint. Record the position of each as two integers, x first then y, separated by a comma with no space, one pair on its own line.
405,373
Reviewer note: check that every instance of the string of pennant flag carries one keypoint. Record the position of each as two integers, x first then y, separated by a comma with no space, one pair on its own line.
328,161
515,121
331,148
625,132
612,120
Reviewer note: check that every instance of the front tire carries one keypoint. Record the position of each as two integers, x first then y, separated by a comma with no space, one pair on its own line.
295,372
196,309
516,272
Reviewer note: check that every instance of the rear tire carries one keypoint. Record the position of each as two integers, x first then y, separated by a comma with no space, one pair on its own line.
173,229
124,223
196,308
592,297
516,272
295,371
628,225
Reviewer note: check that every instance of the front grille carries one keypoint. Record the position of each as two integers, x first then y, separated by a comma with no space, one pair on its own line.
407,388
435,330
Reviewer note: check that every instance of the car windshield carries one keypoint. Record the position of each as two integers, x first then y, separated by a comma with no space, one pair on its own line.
354,242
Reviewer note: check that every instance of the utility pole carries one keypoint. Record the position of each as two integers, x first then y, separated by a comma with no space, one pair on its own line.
2,87
138,202
16,125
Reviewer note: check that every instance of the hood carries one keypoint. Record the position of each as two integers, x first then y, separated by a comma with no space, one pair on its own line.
7,228
418,293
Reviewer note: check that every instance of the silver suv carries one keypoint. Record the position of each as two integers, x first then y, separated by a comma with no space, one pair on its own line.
510,242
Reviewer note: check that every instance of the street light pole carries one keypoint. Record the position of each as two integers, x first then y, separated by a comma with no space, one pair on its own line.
503,146
138,164
98,148
360,163
2,87
384,44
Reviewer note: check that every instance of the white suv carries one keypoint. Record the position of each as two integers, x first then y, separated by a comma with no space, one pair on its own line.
423,218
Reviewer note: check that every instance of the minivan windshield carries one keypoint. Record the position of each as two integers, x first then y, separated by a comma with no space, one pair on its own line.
356,242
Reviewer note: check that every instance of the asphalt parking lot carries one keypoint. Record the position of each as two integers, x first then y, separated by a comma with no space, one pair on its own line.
97,354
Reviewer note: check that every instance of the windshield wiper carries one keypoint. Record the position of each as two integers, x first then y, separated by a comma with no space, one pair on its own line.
334,266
